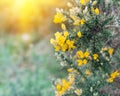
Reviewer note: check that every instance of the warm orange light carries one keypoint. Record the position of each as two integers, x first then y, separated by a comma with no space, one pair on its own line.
26,15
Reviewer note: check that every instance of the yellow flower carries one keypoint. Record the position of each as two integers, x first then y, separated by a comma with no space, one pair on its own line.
58,87
104,49
110,80
80,54
84,2
61,40
79,34
94,3
66,33
86,54
85,61
76,22
113,76
110,51
95,56
57,48
70,44
64,47
87,72
97,11
78,92
63,26
62,87
59,18
82,21
80,62
57,35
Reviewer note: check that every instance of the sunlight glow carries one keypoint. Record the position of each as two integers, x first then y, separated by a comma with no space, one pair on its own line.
26,15
26,37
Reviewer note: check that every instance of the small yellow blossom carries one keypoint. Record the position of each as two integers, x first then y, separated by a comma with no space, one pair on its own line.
78,92
86,54
70,70
113,76
70,44
80,62
64,47
76,22
85,61
59,18
62,87
58,87
63,26
110,51
110,80
66,33
82,21
80,54
104,49
57,48
95,56
79,34
94,3
87,72
97,11
84,2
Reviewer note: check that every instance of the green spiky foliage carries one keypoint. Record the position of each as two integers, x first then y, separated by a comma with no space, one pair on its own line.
87,55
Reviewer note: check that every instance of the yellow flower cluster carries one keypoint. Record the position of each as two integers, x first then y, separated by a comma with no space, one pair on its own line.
72,70
109,50
59,18
82,57
113,76
77,21
95,56
61,42
84,2
63,86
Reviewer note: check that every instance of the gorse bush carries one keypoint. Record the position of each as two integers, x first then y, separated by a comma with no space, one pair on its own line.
83,50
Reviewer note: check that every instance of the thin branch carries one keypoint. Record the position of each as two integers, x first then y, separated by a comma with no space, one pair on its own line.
112,26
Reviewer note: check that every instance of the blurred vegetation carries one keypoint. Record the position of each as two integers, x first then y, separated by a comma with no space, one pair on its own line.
26,70
27,66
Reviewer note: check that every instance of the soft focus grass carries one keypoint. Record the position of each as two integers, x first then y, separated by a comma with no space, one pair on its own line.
25,68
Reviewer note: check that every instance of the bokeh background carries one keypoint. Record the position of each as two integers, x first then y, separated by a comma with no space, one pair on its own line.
27,62
28,66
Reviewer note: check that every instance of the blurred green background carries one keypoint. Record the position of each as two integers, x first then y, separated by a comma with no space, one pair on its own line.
27,62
